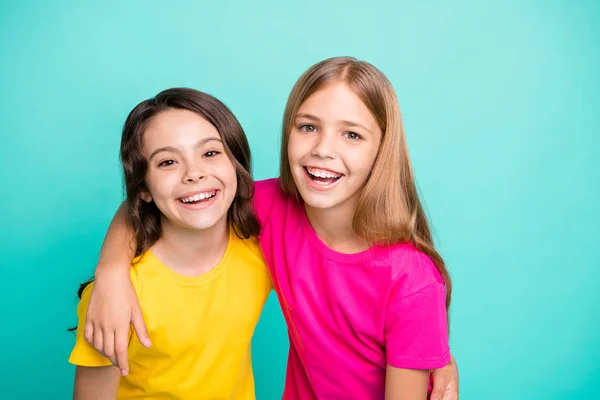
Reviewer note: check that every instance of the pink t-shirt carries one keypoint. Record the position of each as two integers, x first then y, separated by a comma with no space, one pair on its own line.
349,315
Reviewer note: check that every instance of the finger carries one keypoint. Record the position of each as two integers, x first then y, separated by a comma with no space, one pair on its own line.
140,327
88,332
440,382
109,346
97,340
450,393
121,342
437,394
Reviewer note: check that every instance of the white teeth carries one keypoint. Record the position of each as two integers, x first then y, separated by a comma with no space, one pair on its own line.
197,197
320,173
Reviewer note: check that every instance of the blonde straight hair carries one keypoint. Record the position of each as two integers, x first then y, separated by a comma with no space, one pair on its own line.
389,210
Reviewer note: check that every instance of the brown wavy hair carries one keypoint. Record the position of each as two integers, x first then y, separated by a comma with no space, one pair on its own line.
143,217
389,210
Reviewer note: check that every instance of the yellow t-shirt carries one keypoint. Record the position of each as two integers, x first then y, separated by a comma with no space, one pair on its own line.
201,328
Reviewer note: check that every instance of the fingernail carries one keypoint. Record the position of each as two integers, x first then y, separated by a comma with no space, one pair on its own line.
124,372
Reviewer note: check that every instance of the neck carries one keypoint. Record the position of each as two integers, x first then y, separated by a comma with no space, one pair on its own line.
334,226
191,252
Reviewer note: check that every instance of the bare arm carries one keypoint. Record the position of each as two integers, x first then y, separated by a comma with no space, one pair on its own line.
117,250
96,383
406,384
113,303
445,382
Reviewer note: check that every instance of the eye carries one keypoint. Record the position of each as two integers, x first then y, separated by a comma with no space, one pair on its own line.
166,163
352,135
308,128
211,153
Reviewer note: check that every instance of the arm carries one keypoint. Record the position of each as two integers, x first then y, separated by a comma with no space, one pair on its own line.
406,384
417,330
96,383
113,303
445,382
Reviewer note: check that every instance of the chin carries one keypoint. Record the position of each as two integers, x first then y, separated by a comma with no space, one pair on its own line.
319,202
200,225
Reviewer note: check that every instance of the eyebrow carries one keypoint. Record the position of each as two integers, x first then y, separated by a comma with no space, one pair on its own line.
174,150
345,122
307,116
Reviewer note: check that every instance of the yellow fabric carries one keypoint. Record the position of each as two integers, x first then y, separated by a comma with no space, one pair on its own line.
201,328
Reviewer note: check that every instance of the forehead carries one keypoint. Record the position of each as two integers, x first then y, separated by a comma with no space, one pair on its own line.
337,101
175,127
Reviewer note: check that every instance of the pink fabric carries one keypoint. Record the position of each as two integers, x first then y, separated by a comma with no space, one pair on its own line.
349,315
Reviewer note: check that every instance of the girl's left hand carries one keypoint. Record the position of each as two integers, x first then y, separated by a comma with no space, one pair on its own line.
445,382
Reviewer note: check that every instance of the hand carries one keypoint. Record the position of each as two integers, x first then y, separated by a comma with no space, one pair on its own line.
113,306
445,382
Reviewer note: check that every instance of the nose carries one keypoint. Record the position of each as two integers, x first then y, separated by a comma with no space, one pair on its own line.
324,146
194,172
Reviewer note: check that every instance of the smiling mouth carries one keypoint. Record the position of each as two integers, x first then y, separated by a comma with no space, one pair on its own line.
322,176
198,198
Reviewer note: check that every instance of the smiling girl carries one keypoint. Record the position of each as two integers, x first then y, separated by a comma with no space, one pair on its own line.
186,165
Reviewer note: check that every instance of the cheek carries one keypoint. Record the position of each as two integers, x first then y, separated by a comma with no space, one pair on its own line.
290,148
226,173
296,148
371,159
152,183
161,184
361,161
229,179
232,178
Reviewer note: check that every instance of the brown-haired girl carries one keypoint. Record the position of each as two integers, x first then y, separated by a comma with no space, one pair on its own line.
186,165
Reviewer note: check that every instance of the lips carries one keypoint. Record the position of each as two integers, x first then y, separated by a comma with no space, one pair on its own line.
197,198
322,176
322,179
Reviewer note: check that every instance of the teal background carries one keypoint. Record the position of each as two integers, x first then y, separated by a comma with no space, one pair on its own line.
501,102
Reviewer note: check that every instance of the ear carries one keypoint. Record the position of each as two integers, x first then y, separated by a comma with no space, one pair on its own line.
147,197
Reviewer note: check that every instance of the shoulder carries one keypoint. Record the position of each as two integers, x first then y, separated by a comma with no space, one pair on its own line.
412,269
267,191
267,186
267,195
249,248
143,268
249,262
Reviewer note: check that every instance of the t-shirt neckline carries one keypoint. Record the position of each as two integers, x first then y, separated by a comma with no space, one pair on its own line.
316,241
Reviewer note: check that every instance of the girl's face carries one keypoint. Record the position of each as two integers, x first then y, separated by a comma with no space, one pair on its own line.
332,147
190,178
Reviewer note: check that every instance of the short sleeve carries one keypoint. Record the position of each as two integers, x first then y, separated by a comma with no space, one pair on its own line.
83,353
416,324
